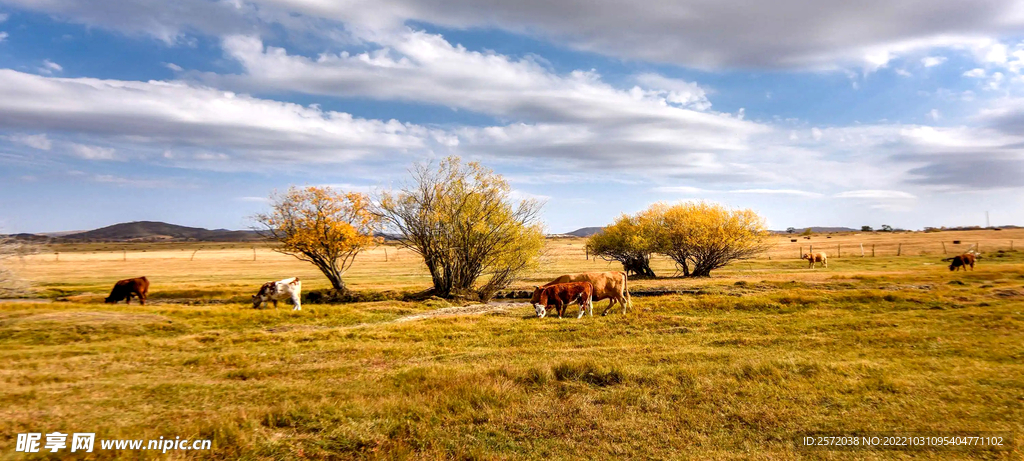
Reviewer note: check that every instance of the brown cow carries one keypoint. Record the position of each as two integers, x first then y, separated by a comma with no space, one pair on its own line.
816,258
124,289
607,285
964,260
561,295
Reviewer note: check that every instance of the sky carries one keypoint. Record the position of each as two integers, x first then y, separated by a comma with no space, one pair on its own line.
826,113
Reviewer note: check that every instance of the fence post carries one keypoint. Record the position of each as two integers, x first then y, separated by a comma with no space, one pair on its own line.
124,254
899,249
862,250
839,252
801,255
385,255
253,253
57,255
872,250
943,247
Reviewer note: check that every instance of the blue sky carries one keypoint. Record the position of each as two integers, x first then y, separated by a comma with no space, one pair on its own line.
907,113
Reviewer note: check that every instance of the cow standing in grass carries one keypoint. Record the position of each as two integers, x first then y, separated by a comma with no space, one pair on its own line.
124,289
964,260
290,288
816,258
561,295
607,285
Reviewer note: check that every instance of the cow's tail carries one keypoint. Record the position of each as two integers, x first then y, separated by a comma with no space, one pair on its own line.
625,290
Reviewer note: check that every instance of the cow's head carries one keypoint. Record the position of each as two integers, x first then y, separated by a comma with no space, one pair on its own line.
110,300
539,308
256,301
957,261
806,256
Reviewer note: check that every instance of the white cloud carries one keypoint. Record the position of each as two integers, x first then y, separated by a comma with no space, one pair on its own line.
92,152
876,194
575,116
903,73
679,189
173,66
934,114
3,36
253,199
49,67
686,94
143,183
173,114
932,61
975,73
422,67
795,192
816,133
3,17
37,141
707,35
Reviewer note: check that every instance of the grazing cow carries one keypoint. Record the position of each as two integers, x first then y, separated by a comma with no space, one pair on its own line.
124,289
816,258
607,285
964,260
276,291
561,295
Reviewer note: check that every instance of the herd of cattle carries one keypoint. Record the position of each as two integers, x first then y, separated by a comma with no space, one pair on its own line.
583,289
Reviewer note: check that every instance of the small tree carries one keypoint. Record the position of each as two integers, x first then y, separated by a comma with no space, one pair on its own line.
709,236
321,226
462,221
630,240
866,229
807,231
790,230
886,228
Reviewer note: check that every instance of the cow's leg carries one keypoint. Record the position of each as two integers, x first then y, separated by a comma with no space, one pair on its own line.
128,299
824,262
275,303
611,301
142,299
624,305
296,302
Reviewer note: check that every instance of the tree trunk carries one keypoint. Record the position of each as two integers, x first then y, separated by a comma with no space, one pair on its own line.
701,271
336,282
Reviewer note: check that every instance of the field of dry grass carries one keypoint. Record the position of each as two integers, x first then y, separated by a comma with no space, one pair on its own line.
765,351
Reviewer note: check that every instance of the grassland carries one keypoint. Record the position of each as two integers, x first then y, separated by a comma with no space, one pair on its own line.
767,351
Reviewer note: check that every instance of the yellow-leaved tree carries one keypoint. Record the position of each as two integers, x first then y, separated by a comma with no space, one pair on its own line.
709,236
322,226
630,240
462,220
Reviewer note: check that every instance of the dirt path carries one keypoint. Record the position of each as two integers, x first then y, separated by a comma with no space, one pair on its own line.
473,309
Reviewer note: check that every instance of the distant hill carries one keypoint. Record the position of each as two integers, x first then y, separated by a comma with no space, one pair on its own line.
585,231
160,231
820,230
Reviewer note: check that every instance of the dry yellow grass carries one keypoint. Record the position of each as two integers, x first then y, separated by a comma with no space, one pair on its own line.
767,351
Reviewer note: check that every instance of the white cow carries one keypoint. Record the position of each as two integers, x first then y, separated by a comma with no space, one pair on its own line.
276,291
